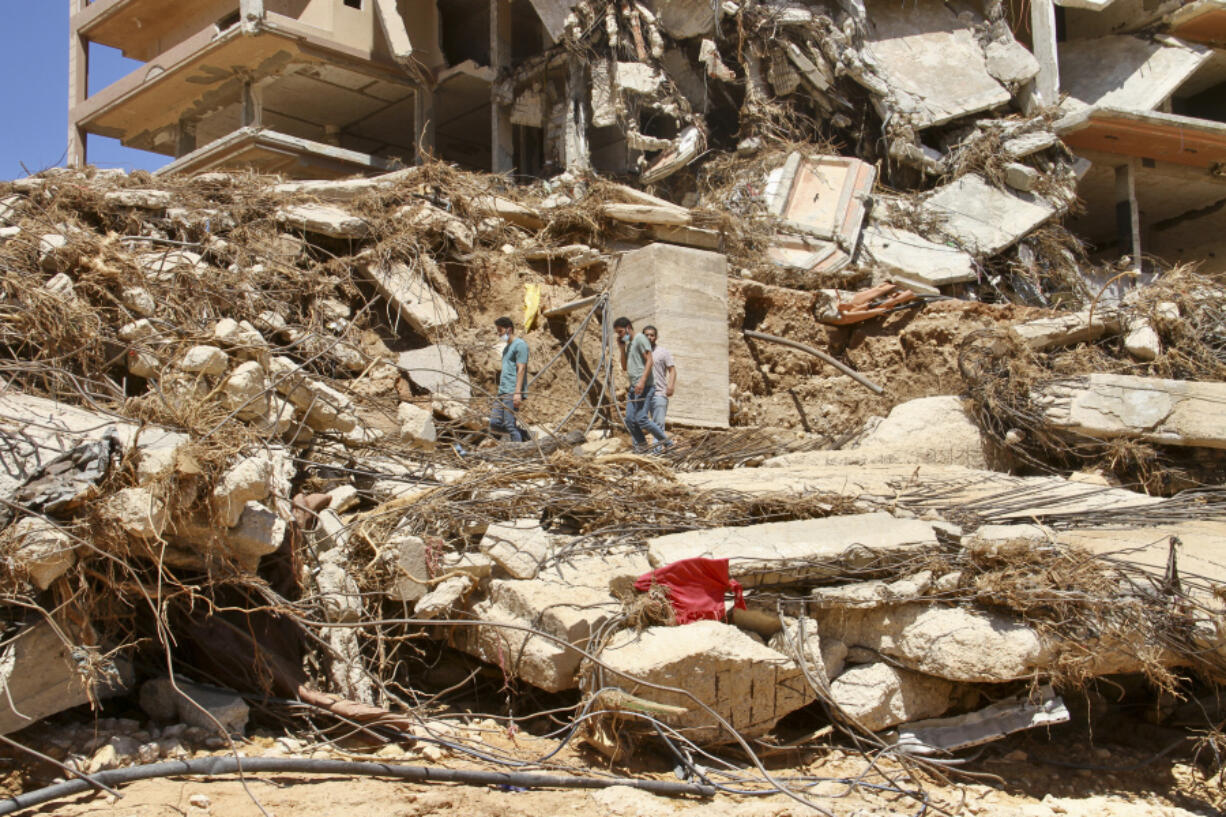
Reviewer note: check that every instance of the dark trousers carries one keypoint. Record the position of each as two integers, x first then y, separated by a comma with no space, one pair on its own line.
502,418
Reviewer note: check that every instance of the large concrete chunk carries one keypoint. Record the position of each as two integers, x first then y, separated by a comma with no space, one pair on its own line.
1122,71
928,430
750,685
879,696
407,291
568,613
439,370
931,58
915,256
39,677
1066,329
324,220
982,218
949,642
776,552
518,547
684,293
1111,406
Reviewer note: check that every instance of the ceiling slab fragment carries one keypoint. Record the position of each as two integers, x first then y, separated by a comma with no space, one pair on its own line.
1126,72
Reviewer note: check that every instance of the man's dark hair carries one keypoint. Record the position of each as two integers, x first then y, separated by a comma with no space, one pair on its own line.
621,322
650,328
504,323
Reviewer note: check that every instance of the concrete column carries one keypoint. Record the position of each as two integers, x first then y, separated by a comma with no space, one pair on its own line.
578,154
502,144
185,137
423,122
1127,212
251,12
253,105
1043,33
78,85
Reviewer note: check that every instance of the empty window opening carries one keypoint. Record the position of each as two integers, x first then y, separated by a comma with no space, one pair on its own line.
354,4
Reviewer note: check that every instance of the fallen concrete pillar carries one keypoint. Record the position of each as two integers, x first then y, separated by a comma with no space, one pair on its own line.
783,552
684,293
1065,330
1116,406
324,220
747,683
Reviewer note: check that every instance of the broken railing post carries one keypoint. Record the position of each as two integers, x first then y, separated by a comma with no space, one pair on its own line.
845,369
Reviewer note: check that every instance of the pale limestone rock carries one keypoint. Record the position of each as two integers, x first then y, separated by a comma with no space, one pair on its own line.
954,643
142,363
716,663
417,425
44,550
10,209
879,696
344,497
50,249
207,360
518,547
1142,341
242,337
139,300
139,330
323,219
163,265
248,480
324,408
160,700
246,390
1009,62
1021,177
137,511
259,532
412,563
445,598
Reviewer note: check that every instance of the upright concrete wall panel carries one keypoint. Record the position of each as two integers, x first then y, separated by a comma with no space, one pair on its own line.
683,292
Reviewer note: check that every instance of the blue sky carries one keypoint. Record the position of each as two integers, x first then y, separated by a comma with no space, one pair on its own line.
34,59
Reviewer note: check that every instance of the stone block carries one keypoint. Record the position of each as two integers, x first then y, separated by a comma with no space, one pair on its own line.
259,532
1009,62
204,360
1021,177
139,300
411,296
417,425
517,547
162,265
800,550
879,696
412,562
137,511
1116,406
324,408
928,430
247,390
684,293
43,550
439,370
954,643
324,220
1142,341
748,684
248,480
161,701
446,597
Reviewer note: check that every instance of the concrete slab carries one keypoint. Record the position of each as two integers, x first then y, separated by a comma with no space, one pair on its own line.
982,218
1123,71
1107,406
776,552
324,220
930,55
684,293
915,256
438,369
747,683
408,293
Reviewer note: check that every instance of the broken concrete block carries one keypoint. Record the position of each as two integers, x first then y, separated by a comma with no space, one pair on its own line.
417,425
427,218
477,565
139,300
1066,329
10,209
246,390
144,199
194,704
930,56
161,266
982,218
323,407
822,657
879,696
518,547
241,336
873,593
248,480
1116,406
1142,341
1021,177
913,255
569,613
716,663
1019,147
258,533
822,196
446,597
344,497
9,232
1009,62
137,511
438,369
940,736
42,675
412,563
407,291
324,220
142,329
207,360
954,643
776,552
1125,71
933,430
50,249
142,363
43,550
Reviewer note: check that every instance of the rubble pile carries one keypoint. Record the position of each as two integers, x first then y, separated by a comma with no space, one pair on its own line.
248,471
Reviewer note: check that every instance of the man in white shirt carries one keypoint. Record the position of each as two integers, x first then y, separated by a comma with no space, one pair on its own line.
664,373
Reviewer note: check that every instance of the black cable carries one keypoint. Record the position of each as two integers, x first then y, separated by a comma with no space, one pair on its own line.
215,766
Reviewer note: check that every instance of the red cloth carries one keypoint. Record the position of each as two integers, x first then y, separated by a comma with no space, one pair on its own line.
696,588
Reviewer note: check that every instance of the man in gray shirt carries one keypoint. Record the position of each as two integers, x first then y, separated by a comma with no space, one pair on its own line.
636,362
663,373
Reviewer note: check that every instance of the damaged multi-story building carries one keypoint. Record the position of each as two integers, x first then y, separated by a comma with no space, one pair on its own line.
325,88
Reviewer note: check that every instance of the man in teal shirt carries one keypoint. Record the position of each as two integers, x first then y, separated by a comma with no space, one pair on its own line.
511,382
636,362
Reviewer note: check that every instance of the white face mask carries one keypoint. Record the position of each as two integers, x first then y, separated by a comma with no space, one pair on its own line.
504,336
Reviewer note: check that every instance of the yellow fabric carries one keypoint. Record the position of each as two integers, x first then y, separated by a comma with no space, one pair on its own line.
532,304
